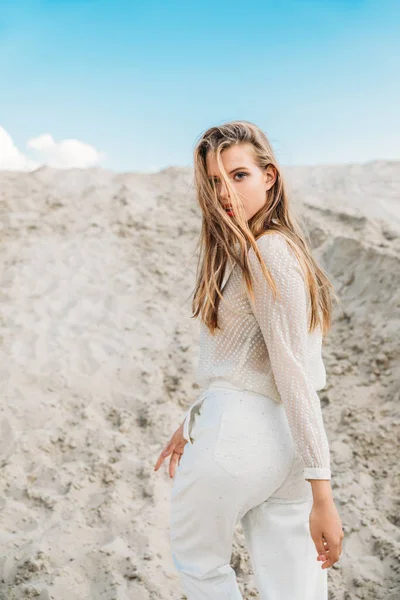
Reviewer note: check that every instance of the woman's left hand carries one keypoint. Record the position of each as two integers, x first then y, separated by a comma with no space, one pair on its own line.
326,531
174,447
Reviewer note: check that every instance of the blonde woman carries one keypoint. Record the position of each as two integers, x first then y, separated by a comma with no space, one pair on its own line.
253,447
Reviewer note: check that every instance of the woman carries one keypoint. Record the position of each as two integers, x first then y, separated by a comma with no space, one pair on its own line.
253,447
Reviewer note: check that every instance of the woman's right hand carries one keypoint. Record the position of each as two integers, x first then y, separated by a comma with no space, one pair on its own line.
326,531
174,447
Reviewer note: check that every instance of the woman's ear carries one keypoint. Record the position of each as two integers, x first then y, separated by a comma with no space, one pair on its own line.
270,176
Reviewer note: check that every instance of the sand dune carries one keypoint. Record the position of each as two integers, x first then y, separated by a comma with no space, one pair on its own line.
97,357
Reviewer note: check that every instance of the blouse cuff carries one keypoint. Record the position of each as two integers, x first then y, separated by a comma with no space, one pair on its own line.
186,424
316,473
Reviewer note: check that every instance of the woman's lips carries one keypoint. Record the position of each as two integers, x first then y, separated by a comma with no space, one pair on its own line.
229,210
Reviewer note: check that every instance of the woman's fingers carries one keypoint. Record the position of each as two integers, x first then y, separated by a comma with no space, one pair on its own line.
175,447
159,462
167,450
323,554
173,462
321,549
333,553
335,550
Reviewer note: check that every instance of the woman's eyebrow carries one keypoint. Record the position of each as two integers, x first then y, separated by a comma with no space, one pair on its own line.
236,169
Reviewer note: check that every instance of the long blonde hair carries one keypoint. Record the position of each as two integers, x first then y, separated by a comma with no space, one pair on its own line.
220,233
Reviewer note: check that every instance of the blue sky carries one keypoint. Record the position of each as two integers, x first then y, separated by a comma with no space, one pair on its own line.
140,81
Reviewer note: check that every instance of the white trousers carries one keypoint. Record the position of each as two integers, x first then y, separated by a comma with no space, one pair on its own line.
241,465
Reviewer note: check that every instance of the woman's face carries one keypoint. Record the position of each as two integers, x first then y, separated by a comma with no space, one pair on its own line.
250,182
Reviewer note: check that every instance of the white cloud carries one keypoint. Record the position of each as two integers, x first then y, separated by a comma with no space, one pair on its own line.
64,154
10,157
41,143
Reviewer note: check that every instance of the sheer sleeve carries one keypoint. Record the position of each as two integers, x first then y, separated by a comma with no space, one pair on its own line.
284,326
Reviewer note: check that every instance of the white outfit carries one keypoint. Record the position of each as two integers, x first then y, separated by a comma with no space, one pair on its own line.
241,465
265,347
255,436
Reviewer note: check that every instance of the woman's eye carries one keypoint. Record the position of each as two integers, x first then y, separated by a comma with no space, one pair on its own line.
215,181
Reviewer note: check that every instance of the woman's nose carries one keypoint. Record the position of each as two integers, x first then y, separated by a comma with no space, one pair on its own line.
223,192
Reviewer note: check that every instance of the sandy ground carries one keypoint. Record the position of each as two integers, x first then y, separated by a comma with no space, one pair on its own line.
97,357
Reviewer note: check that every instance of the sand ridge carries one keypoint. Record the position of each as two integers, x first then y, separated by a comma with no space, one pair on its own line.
97,357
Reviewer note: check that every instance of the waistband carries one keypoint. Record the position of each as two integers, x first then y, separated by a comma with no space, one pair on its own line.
225,383
214,383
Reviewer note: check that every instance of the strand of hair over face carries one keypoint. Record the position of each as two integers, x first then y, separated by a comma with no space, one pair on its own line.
224,238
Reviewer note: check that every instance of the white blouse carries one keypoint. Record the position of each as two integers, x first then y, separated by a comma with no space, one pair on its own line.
265,347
